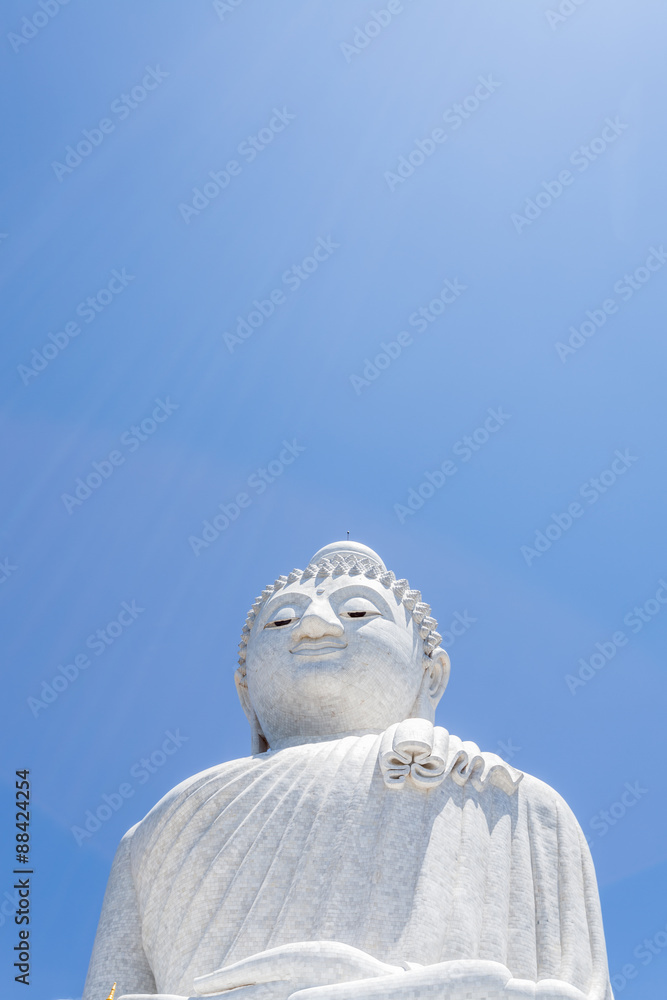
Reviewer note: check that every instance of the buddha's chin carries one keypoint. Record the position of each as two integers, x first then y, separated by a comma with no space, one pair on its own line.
323,680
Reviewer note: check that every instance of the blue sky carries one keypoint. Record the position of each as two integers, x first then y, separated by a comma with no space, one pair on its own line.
540,199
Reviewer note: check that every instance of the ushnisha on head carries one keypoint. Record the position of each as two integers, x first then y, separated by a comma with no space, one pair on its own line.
342,647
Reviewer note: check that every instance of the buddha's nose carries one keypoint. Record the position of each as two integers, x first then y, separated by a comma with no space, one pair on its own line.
316,625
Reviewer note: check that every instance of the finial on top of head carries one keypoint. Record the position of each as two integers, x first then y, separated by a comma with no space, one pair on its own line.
347,548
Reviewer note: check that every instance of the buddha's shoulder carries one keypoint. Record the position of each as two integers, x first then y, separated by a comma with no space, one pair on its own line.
190,794
543,801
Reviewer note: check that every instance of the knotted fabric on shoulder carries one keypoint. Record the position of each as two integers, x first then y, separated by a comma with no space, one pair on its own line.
427,754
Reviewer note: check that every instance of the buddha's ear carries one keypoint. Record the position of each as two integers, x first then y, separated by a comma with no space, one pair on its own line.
242,691
258,741
434,682
437,666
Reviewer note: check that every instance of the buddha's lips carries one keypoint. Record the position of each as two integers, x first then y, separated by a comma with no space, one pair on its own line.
308,648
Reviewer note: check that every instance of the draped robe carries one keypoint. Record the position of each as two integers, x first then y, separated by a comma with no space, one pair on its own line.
313,843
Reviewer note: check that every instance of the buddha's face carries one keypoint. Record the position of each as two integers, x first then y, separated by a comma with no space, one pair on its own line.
333,656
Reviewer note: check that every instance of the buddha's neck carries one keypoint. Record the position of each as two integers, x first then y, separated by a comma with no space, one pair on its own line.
301,739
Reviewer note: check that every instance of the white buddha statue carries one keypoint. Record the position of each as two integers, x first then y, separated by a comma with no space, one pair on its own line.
360,853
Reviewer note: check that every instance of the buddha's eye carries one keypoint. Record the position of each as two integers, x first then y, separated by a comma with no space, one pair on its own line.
285,616
358,607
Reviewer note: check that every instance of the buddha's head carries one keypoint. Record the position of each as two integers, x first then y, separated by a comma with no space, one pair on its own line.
340,647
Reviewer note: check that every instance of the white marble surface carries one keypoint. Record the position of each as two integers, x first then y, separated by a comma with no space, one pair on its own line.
360,852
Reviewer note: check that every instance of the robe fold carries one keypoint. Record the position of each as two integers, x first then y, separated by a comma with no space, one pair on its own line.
310,843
